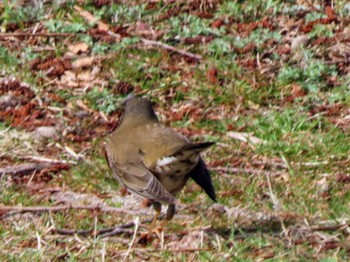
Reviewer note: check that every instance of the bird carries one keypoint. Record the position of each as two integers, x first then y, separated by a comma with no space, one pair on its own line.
154,161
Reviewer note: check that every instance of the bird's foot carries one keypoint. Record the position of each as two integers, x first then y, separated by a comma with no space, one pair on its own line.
150,236
153,232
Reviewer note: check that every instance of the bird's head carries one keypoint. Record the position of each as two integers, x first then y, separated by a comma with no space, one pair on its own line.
138,108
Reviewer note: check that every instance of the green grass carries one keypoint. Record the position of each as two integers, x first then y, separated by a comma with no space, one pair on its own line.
305,133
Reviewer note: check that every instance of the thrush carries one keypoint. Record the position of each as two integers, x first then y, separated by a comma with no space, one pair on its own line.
154,161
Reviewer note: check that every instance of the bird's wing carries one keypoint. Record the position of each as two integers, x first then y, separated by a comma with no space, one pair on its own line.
137,178
192,148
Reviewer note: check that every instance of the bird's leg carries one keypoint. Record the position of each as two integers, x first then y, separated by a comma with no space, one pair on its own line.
157,208
170,213
152,228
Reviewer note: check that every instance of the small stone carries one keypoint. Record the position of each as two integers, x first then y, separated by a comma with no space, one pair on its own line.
82,114
44,132
216,210
299,41
8,101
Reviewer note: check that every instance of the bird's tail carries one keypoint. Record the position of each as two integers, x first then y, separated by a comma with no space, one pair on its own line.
200,174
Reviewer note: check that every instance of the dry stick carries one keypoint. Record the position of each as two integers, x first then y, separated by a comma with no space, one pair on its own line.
236,170
329,227
277,206
274,200
105,232
24,169
68,232
185,250
188,250
47,160
18,209
4,35
270,164
171,48
136,223
312,7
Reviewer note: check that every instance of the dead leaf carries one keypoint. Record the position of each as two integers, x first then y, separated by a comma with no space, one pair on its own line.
193,240
144,30
83,62
78,48
298,91
84,107
245,137
217,23
85,76
92,19
69,79
212,75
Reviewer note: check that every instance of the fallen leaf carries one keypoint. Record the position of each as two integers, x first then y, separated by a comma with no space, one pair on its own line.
81,105
83,62
212,75
78,48
92,19
217,23
69,79
85,76
245,137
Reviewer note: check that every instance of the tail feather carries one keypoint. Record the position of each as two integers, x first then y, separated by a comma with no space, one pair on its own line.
200,174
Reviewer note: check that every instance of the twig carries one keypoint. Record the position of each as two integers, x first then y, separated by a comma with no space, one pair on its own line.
250,220
71,152
274,200
68,232
136,223
4,35
188,250
171,48
236,170
152,250
47,160
270,164
329,227
104,232
10,210
24,169
312,7
277,206
71,232
314,164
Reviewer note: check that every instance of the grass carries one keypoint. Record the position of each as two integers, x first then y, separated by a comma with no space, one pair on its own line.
295,101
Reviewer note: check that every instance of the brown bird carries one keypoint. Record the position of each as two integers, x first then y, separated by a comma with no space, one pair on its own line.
154,161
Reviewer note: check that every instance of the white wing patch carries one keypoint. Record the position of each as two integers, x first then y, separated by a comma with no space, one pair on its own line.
166,161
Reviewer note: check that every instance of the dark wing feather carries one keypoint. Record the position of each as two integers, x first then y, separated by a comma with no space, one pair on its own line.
200,174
